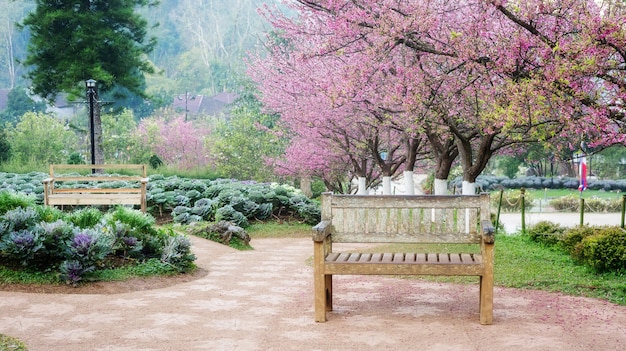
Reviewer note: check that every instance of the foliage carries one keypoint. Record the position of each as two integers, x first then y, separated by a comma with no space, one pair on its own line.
592,204
177,253
118,142
113,55
8,343
223,232
178,143
490,183
573,236
524,264
5,146
243,142
81,243
18,103
11,200
54,141
603,251
546,232
85,217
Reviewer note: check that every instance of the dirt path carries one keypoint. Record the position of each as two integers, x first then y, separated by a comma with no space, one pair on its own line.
262,300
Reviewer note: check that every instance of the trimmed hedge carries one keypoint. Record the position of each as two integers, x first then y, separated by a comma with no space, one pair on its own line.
489,183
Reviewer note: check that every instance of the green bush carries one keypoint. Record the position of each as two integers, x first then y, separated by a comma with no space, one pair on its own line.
546,232
603,251
10,200
573,236
85,217
566,204
593,204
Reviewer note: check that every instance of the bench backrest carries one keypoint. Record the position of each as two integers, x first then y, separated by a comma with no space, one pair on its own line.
405,219
62,172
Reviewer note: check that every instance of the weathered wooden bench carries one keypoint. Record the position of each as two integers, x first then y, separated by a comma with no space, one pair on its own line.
82,187
419,219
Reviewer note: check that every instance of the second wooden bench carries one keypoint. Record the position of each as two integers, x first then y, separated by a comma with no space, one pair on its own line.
77,185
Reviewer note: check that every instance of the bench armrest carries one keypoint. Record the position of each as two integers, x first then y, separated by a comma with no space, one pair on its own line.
48,180
144,180
488,232
321,231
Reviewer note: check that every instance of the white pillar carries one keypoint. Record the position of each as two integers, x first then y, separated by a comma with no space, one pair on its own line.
441,186
469,188
409,184
386,185
362,186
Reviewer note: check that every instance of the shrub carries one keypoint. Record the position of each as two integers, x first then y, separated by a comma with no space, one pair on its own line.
21,218
546,232
89,247
603,251
228,213
566,204
22,246
85,217
177,253
10,200
573,236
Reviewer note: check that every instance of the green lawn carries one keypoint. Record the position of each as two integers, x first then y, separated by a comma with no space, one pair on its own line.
554,193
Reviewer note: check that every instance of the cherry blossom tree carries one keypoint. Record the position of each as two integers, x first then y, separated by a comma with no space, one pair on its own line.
177,142
474,77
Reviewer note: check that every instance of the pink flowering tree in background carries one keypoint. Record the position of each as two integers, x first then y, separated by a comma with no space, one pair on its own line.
484,74
176,142
327,103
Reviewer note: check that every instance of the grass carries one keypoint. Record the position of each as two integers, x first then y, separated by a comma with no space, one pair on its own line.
152,267
8,343
524,264
538,194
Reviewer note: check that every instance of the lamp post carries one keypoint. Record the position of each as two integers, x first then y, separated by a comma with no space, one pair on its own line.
90,84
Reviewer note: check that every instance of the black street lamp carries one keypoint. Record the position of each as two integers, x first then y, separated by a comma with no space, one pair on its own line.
91,92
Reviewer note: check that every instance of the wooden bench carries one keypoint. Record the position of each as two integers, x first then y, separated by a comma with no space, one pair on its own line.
82,187
419,219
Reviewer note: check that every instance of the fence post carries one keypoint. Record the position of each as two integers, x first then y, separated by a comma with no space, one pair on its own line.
523,207
582,211
623,209
499,208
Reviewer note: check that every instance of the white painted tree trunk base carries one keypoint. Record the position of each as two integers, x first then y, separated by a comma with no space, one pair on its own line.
362,186
441,186
409,184
386,185
469,188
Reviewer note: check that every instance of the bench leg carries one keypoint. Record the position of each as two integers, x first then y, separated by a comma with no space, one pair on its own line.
486,300
329,292
322,296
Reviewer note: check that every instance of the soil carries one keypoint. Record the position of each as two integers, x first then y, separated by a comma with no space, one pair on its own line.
263,300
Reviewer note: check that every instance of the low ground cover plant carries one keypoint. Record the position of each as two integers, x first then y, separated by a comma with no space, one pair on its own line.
73,245
601,248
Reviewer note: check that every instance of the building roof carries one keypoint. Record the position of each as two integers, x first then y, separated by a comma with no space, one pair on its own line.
200,104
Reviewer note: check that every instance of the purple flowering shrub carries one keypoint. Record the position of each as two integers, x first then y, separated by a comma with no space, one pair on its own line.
82,242
22,245
89,247
72,271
